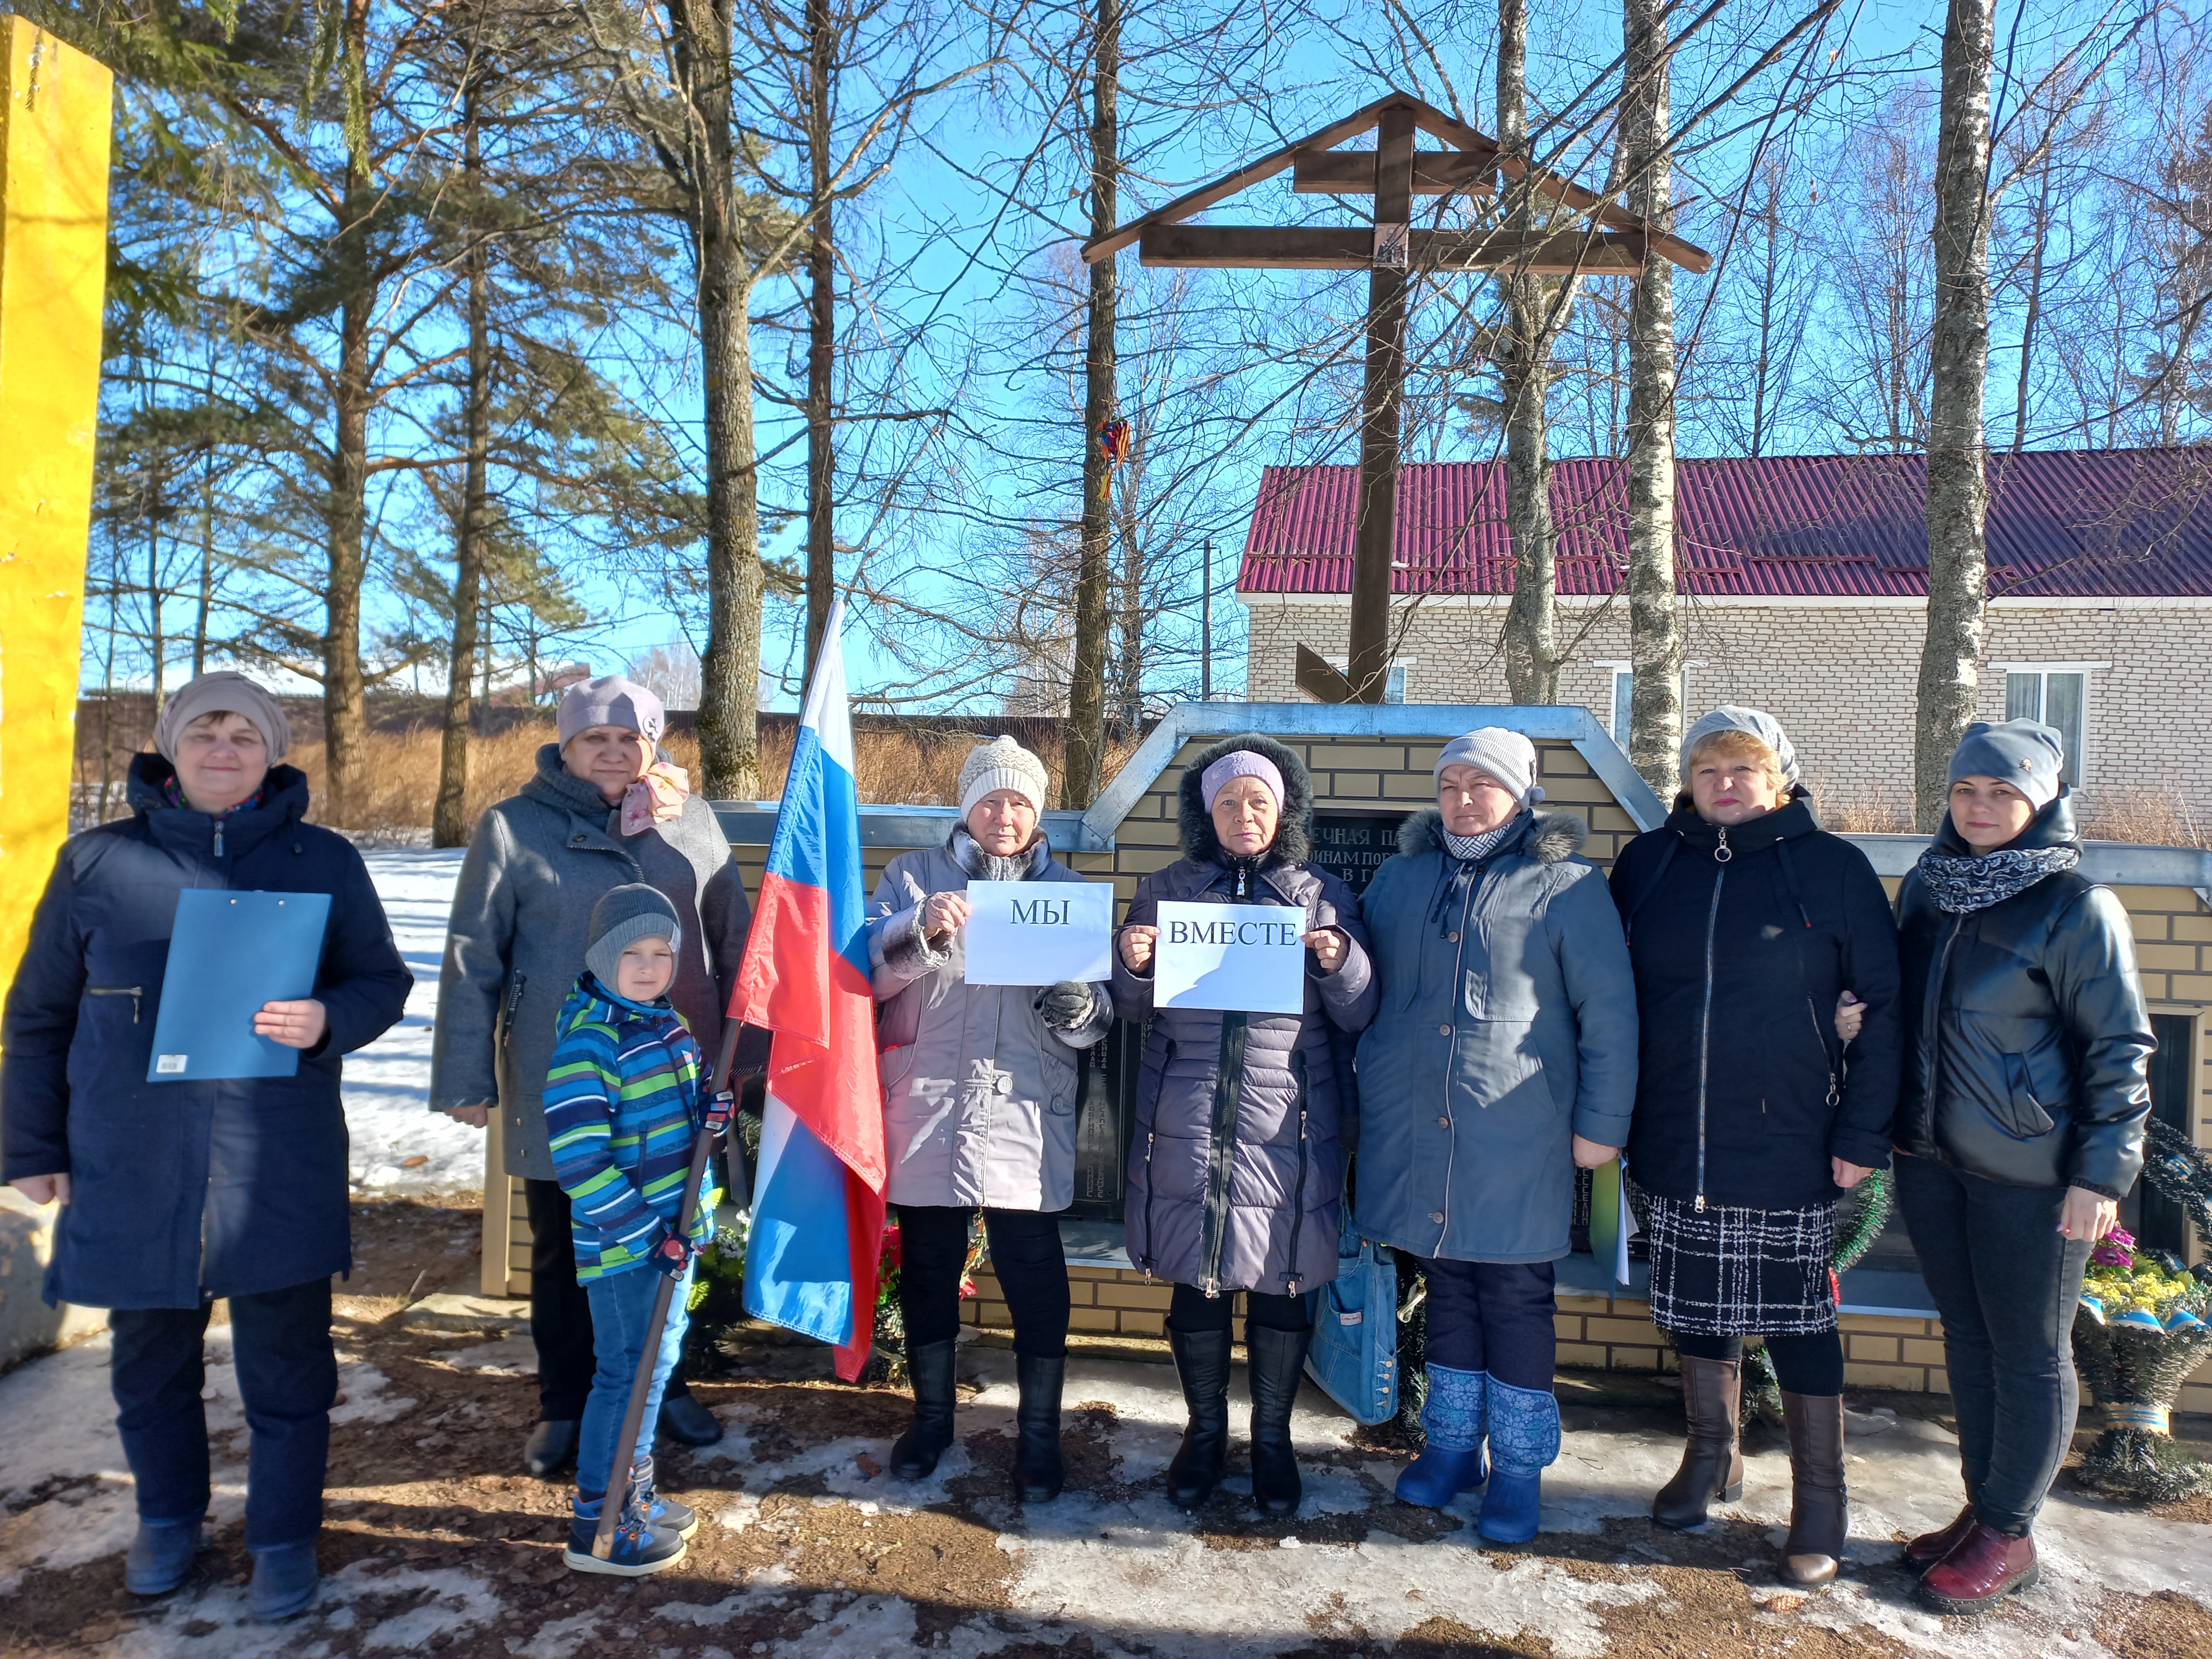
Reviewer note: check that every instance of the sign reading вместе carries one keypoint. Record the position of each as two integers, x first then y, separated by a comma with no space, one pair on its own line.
1251,957
1038,932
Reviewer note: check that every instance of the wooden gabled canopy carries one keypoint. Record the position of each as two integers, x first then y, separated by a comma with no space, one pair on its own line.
1388,248
1318,166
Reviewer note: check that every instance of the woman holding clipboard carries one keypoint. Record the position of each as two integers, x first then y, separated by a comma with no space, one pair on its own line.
179,1189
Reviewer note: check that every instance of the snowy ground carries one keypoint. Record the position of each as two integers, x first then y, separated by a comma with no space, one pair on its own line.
808,1549
400,1145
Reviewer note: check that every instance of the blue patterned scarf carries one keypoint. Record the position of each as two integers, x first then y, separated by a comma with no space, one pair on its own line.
1961,884
1464,853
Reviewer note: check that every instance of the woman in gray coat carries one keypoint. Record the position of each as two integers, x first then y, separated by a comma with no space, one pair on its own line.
1502,1056
604,808
1234,1174
979,1111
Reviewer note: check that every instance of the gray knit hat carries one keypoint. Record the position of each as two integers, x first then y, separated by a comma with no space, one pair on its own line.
1001,764
1728,717
1506,755
2026,753
632,911
223,691
610,700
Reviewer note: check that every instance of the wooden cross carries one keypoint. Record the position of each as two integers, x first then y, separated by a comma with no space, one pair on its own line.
1388,249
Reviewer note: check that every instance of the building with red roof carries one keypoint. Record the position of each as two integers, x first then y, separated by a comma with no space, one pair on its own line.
1804,587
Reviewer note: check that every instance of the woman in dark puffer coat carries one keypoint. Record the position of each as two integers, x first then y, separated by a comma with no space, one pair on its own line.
1235,1172
176,1193
2020,1123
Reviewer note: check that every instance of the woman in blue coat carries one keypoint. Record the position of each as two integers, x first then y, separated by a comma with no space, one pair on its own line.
1501,1055
176,1193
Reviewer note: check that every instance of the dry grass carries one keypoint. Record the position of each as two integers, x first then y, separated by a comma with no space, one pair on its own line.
896,768
1864,810
2147,816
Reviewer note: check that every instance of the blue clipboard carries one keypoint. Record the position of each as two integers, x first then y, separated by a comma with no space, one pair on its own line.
228,954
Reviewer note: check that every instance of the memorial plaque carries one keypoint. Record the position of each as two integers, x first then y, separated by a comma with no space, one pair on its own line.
1352,846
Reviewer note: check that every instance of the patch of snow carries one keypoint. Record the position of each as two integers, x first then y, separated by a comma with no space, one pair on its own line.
387,1084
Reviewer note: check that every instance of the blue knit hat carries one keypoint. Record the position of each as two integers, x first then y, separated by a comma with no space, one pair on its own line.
631,912
2026,753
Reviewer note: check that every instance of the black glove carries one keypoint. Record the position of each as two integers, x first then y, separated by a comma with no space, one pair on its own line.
1066,1006
672,1256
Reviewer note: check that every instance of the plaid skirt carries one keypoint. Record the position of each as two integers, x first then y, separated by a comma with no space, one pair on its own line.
1727,1272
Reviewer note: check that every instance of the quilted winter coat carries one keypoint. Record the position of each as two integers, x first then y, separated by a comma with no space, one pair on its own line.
979,1093
1505,1027
185,1190
1235,1169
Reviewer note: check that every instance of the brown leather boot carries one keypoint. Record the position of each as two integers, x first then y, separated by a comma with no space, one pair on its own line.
1820,1508
1985,1568
1712,1461
1925,1551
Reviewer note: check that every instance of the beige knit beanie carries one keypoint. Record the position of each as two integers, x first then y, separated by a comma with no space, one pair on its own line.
1001,764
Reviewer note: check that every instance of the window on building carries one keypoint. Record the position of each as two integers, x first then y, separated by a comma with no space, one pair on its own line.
1623,689
1393,689
2055,697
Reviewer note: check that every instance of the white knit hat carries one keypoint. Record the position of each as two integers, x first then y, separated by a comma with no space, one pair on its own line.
1506,755
1001,764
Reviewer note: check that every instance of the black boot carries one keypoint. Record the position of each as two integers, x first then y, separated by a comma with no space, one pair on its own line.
1278,1360
1202,1362
1038,1472
551,1447
687,1422
915,1454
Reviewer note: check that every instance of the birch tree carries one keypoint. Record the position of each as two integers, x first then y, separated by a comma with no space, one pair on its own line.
1654,640
1958,492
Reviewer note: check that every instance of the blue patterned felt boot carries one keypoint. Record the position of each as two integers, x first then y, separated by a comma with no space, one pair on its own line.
1524,1440
1454,1418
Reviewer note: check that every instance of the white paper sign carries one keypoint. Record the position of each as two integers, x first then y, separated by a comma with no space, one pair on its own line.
1039,932
1251,957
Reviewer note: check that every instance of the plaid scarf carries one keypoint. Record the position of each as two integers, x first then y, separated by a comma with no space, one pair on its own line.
1961,884
1466,851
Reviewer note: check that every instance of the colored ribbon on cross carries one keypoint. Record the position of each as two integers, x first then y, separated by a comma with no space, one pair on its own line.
818,1195
1113,444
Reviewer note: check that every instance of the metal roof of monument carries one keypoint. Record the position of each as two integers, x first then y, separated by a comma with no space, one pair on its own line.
2076,524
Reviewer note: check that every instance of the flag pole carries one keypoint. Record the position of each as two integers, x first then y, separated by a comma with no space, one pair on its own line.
633,1422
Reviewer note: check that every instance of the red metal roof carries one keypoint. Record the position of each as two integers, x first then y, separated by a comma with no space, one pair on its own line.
2090,524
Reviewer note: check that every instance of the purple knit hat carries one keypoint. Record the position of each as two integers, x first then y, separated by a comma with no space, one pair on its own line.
1240,763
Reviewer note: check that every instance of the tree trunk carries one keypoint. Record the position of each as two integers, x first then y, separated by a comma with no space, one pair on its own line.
345,715
1086,684
2040,227
729,693
1532,662
449,824
1655,636
1958,494
821,305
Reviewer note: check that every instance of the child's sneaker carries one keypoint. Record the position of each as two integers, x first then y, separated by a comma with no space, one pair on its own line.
664,1513
640,1547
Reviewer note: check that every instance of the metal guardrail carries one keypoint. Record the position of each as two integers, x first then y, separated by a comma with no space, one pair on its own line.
2116,863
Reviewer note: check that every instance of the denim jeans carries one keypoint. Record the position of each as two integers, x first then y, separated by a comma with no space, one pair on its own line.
288,1378
2007,1282
561,1311
622,1306
1495,1316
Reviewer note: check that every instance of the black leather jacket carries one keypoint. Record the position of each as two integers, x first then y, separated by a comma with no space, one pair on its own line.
2027,1040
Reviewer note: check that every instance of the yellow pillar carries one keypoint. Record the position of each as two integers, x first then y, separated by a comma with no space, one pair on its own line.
54,107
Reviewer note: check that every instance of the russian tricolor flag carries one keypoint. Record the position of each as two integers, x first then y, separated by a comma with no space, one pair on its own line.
817,1218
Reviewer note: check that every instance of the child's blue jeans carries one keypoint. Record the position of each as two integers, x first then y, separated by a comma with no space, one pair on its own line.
622,1306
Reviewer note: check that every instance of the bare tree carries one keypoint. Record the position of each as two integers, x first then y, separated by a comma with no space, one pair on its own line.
1655,639
1957,493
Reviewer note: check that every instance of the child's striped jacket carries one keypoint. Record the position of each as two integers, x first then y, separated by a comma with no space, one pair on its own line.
622,1108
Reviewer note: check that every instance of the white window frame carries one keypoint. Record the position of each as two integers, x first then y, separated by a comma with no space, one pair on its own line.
2077,762
1616,671
1394,680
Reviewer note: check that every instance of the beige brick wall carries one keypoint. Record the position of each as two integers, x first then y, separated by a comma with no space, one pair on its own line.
1840,677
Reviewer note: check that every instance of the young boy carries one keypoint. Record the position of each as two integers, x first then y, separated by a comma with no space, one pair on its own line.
622,1107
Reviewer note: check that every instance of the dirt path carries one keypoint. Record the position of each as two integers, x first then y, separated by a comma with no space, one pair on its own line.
436,1544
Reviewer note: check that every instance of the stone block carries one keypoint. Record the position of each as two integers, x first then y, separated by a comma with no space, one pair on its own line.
1877,1349
1567,1327
2181,956
1093,1319
1619,1330
1858,1376
1584,1304
1135,1321
1632,1358
1883,1322
1582,1353
1155,1297
1921,1351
